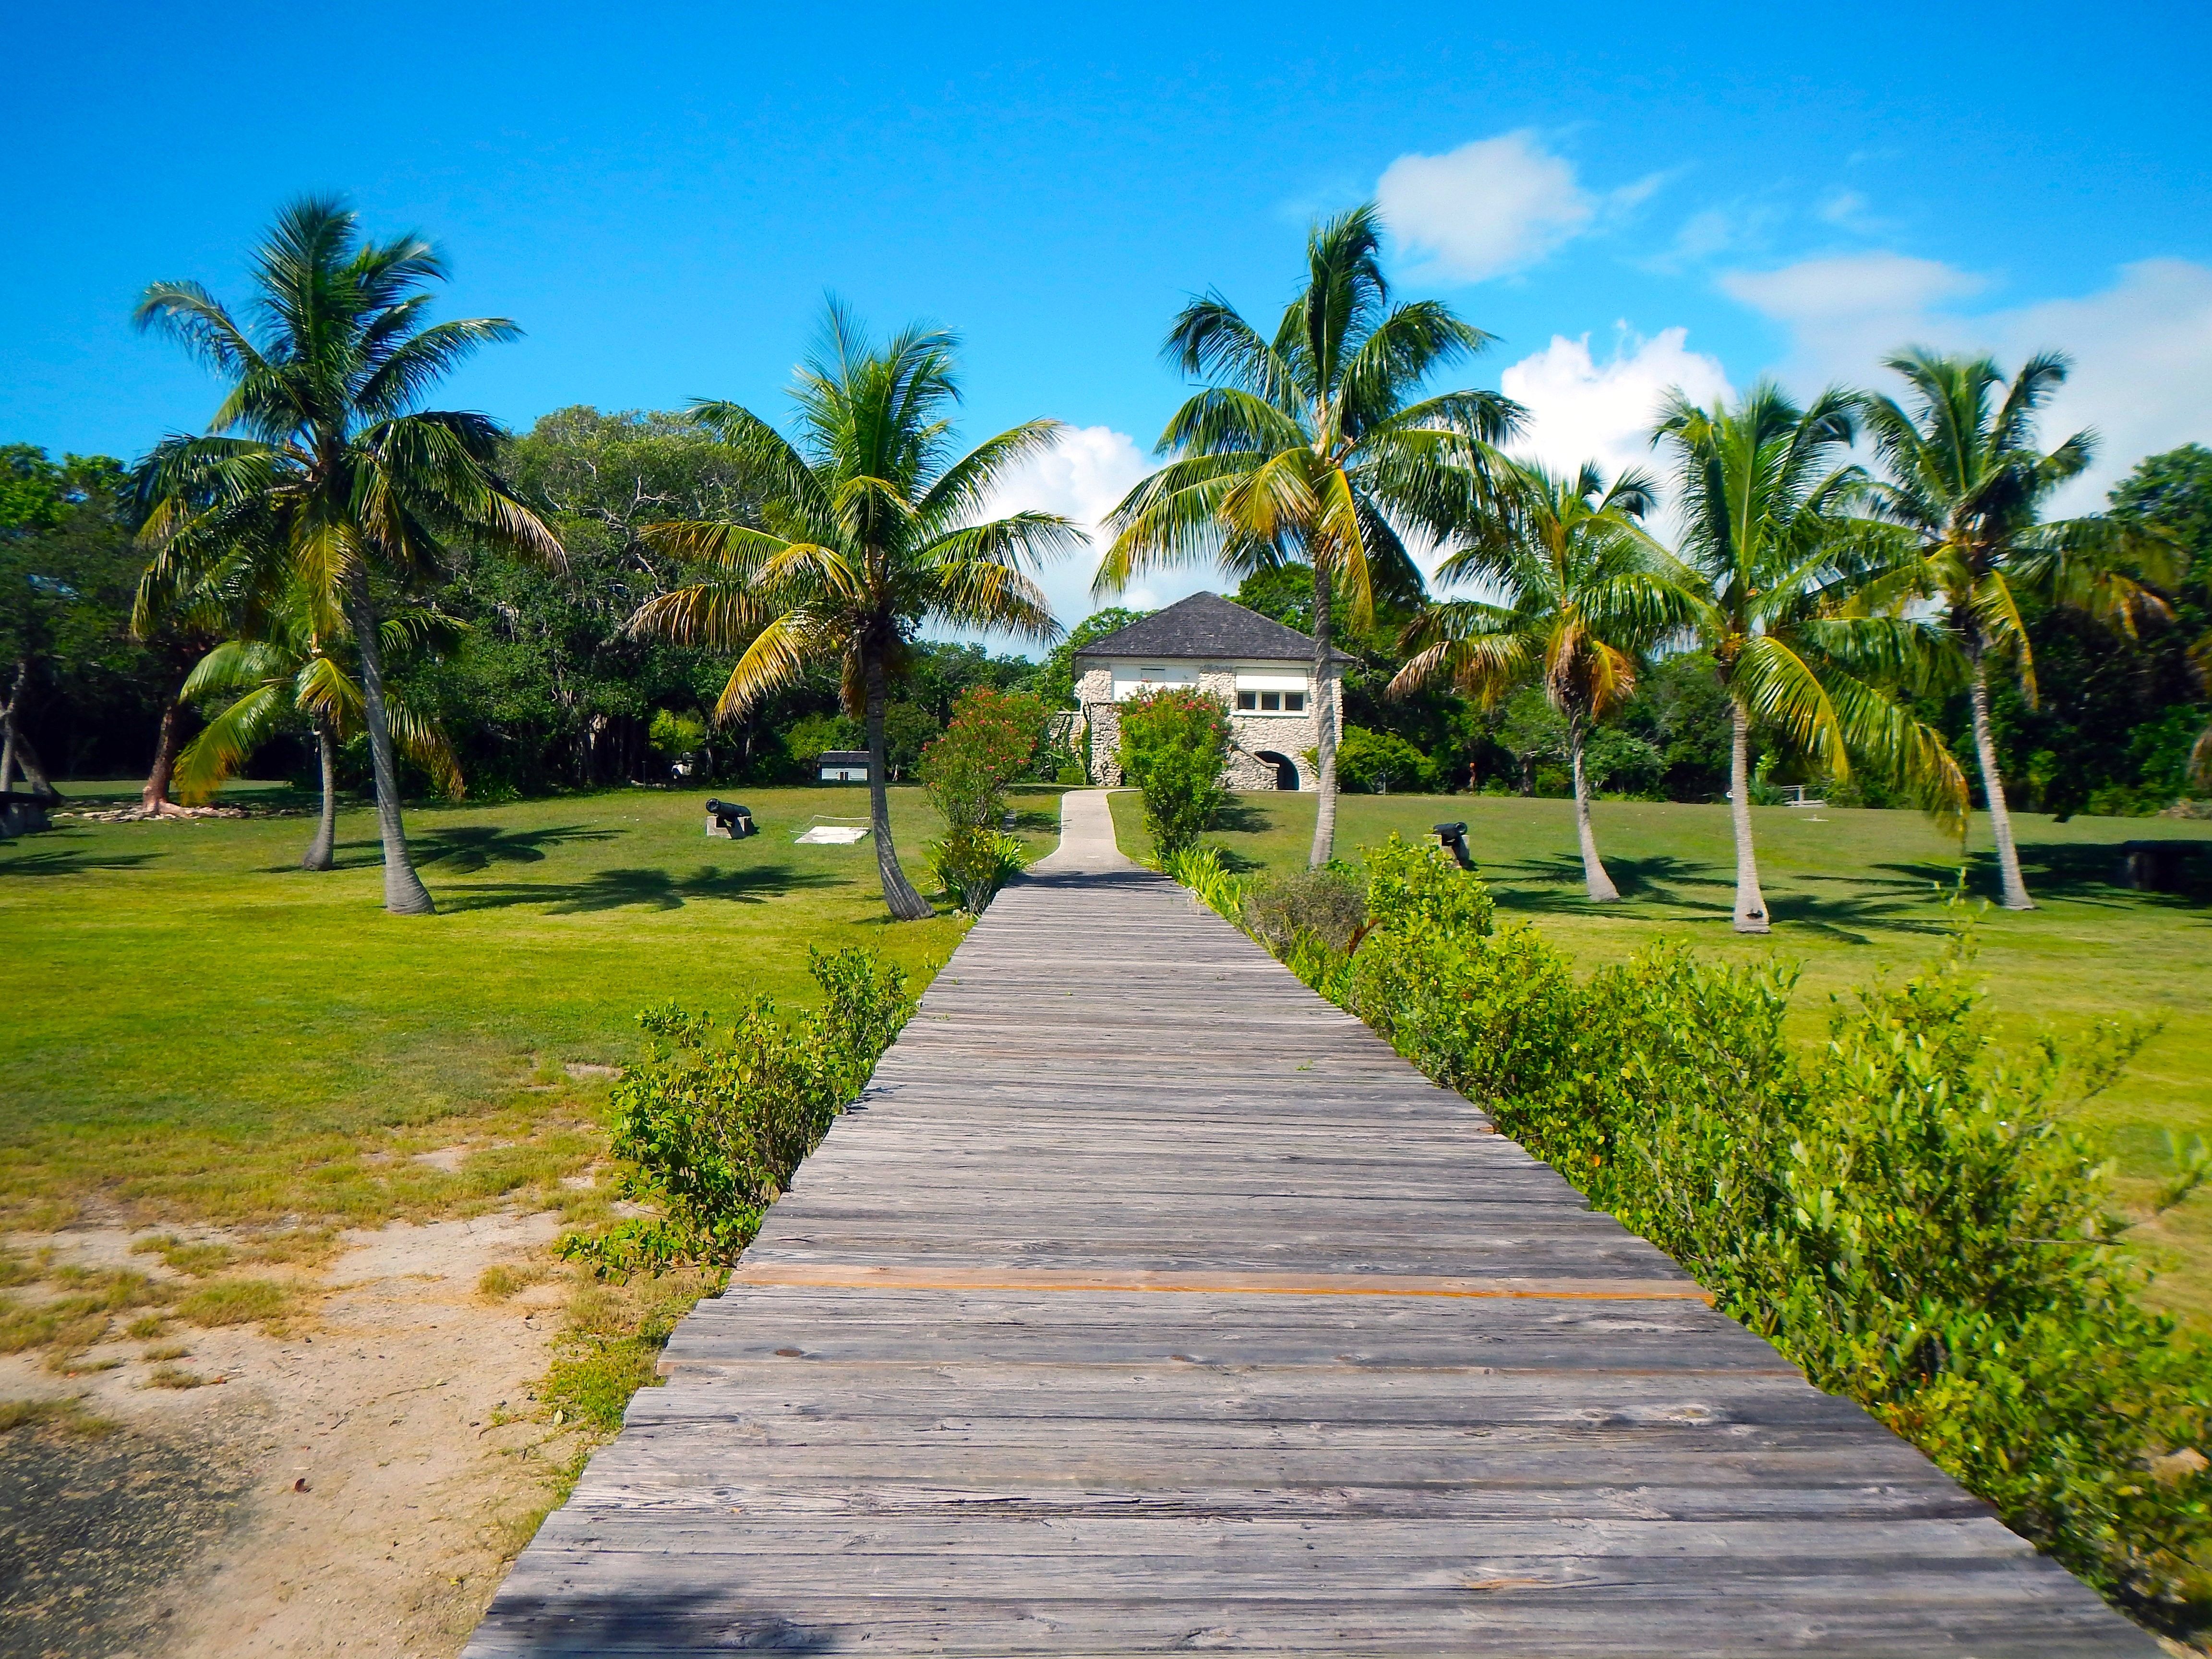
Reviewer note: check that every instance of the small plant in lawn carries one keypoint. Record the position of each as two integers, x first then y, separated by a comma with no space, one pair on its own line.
166,1350
1174,744
172,1377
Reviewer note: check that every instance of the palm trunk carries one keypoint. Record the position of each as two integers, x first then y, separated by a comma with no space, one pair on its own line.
905,905
403,892
8,724
154,799
1985,752
1750,902
321,851
1324,841
1598,885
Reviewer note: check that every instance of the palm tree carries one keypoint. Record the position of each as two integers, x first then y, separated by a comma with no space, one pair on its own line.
870,529
1779,602
1583,593
1313,446
333,478
287,670
1965,492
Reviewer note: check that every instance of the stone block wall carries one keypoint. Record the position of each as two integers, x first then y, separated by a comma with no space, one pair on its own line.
1289,735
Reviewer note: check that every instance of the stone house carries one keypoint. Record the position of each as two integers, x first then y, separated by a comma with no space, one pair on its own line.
1261,669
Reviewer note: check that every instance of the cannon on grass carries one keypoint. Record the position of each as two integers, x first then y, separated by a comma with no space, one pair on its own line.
727,821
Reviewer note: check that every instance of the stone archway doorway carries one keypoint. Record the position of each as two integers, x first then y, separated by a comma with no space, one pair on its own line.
1286,770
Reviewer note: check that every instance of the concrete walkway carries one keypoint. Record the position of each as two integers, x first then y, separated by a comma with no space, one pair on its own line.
1147,1302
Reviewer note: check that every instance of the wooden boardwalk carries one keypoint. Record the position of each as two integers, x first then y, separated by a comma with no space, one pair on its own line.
1147,1303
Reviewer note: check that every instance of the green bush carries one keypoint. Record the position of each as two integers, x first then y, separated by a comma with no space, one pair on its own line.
1329,904
1378,761
993,741
1174,746
712,1122
1904,1210
972,865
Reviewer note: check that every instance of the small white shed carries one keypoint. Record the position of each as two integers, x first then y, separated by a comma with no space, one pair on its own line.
843,765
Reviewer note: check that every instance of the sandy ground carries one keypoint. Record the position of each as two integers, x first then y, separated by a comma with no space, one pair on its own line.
348,1488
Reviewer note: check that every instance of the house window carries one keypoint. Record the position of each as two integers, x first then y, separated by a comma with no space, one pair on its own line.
1270,702
1247,701
1294,702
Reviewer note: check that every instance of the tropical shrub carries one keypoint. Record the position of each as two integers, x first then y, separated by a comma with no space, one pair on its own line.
1379,761
992,742
1200,869
1329,904
1174,744
713,1120
972,865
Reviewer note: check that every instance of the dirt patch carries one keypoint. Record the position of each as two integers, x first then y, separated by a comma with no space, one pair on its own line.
352,1478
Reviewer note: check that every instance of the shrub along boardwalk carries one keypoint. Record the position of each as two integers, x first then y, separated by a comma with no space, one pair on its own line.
1148,1303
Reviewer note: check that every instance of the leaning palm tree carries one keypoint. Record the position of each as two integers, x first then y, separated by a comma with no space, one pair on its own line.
290,669
1315,446
1964,497
318,469
1583,593
869,529
1781,604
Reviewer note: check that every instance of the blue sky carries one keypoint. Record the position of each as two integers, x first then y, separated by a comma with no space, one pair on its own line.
661,195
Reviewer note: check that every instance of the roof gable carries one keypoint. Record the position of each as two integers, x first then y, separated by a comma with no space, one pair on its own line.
1205,625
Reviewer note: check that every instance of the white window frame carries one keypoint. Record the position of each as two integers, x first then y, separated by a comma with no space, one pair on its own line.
1135,679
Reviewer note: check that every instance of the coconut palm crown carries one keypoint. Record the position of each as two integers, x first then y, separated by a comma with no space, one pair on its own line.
1963,494
318,469
1784,605
1313,445
291,666
872,527
1583,592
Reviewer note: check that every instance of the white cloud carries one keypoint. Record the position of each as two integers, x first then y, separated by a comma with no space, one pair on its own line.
1491,207
1581,410
2142,348
1084,476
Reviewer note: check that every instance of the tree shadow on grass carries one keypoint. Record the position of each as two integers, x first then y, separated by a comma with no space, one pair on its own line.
465,849
1700,894
71,861
652,889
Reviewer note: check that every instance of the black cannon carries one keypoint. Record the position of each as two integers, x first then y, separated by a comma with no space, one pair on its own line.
1452,838
730,821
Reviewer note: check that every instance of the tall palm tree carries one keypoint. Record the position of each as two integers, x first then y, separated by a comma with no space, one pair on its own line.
318,468
871,528
1314,445
1780,603
1583,593
1965,490
289,668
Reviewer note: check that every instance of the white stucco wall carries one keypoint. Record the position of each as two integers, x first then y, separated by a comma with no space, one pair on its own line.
1103,685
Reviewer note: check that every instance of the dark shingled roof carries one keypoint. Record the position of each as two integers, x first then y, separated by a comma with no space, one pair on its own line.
1208,626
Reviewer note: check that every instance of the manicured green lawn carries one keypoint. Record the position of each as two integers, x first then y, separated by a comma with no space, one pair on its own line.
195,1026
1852,893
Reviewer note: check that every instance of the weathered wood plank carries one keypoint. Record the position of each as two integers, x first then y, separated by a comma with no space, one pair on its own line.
1146,1303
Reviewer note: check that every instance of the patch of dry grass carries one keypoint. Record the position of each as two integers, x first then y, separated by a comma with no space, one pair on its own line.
235,1301
69,1416
173,1376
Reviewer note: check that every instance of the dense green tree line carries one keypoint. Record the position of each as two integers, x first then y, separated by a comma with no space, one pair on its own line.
547,692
